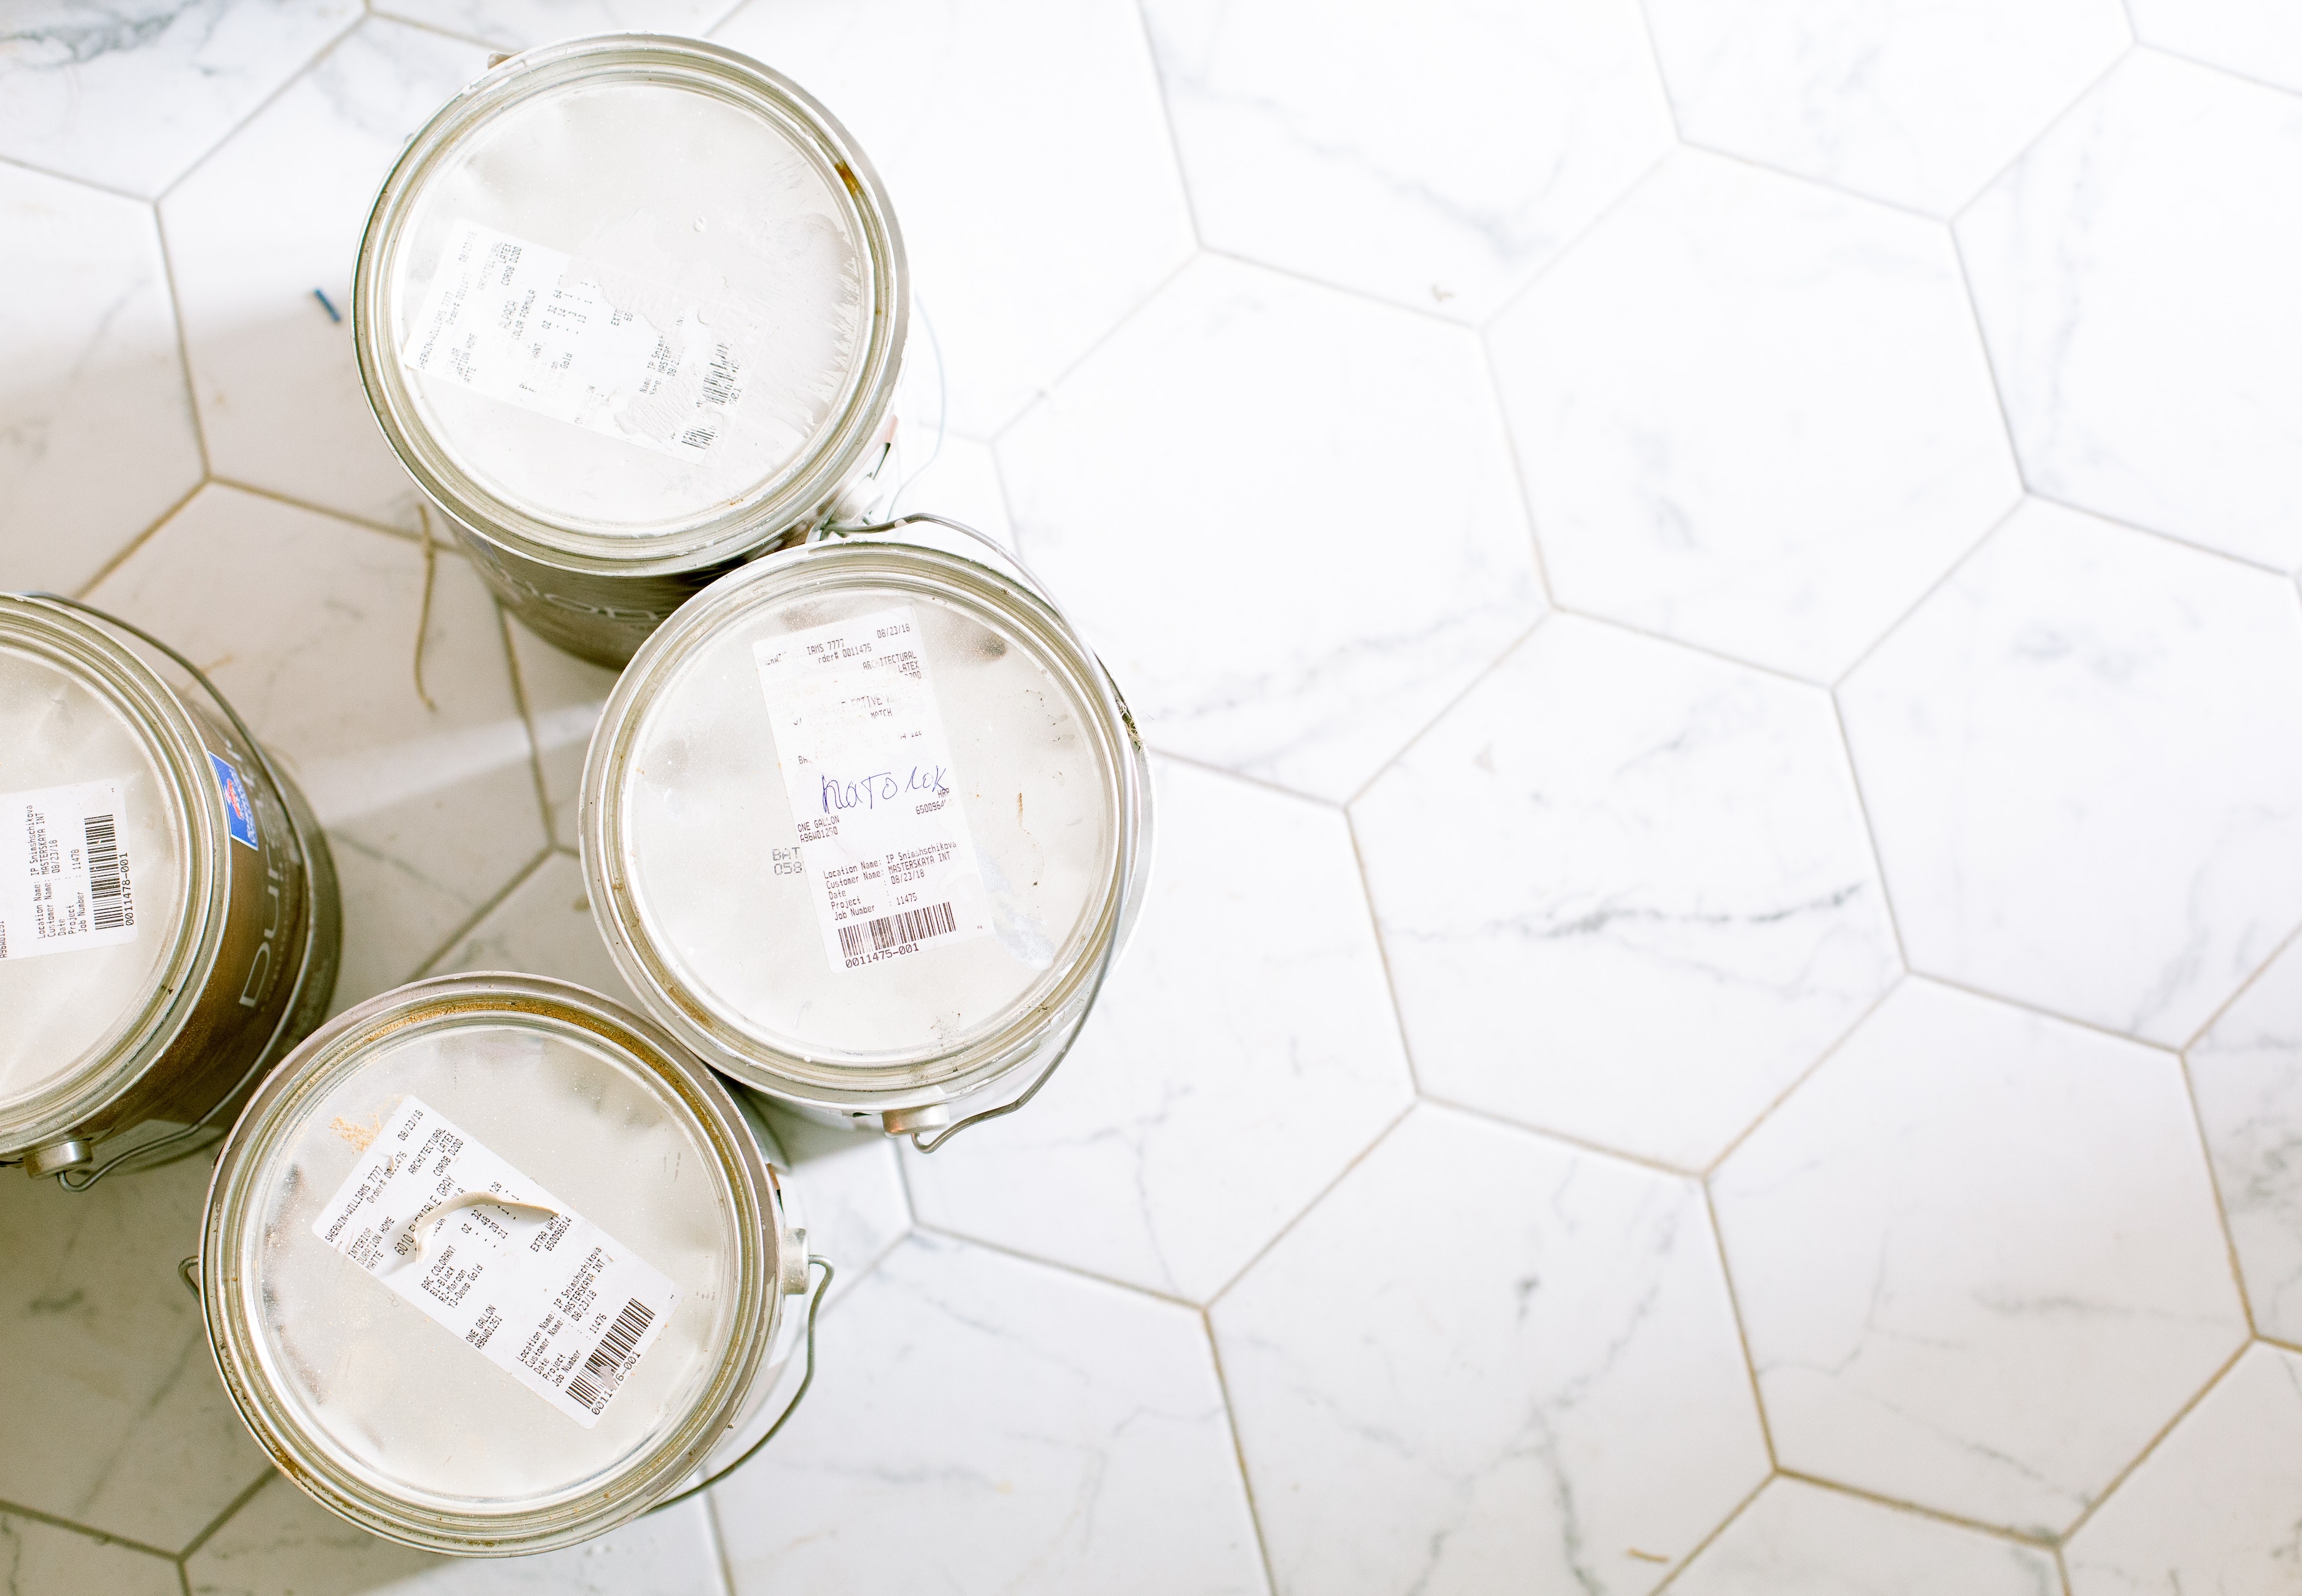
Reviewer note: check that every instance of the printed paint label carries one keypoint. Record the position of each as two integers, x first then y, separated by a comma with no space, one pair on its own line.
534,328
64,880
239,814
540,1292
868,767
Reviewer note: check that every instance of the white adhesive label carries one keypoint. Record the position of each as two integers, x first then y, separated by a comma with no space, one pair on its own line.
543,1294
867,765
534,327
64,882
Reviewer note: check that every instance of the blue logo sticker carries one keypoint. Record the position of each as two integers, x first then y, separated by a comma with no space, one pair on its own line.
238,813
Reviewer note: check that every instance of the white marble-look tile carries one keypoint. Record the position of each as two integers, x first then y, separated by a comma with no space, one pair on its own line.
1286,517
1435,155
282,1543
307,624
1242,1054
1753,414
37,1557
1978,1260
274,215
1028,155
543,925
2082,758
980,1424
2213,1507
2134,274
1484,1362
131,92
849,1189
562,697
1801,1539
2256,39
957,477
2246,1076
109,1398
515,24
96,438
1626,892
1918,102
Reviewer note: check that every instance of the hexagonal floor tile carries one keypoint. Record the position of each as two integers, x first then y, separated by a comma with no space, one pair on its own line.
1978,1260
1798,1539
2134,274
2246,1076
1918,102
267,225
1293,571
282,1543
1754,415
104,1358
2081,757
308,624
515,24
980,1424
1243,1053
1626,892
1436,155
40,1557
1028,159
129,94
542,926
2212,1508
1487,1361
2256,39
96,439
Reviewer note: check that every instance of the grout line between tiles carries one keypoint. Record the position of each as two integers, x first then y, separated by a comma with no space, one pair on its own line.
1564,1138
1238,1451
1449,708
2242,561
543,805
138,541
1133,1287
1805,1075
1317,1198
2063,1569
406,535
85,1532
95,184
1638,629
1229,774
1860,1493
1948,574
2123,1474
2215,1187
519,879
1160,91
1382,958
224,1517
1661,78
1518,471
1572,241
493,46
1869,831
1437,318
183,348
1742,1333
2044,1013
1716,1530
302,71
2046,131
183,1577
2215,67
1094,347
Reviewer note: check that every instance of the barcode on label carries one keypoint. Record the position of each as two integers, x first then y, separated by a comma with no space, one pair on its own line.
719,383
108,908
614,1350
894,931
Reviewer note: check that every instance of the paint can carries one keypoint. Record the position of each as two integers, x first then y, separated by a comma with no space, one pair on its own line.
491,1265
169,921
866,824
631,310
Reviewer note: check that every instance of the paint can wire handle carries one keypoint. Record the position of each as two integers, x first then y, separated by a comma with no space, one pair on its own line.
264,1059
1128,843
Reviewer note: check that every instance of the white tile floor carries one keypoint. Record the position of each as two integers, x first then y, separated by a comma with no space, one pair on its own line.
1715,585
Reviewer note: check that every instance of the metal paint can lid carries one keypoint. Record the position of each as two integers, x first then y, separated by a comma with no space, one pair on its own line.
112,894
862,824
490,1263
631,302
